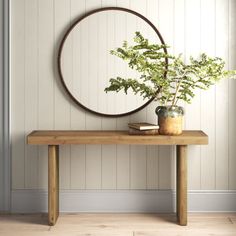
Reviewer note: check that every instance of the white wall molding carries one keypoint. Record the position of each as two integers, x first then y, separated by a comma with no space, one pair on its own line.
28,201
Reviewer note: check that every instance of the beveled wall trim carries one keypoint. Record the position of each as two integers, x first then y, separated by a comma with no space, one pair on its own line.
32,201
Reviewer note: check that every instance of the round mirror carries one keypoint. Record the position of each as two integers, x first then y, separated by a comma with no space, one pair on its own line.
86,65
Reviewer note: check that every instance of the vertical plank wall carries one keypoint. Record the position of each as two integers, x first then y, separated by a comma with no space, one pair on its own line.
39,102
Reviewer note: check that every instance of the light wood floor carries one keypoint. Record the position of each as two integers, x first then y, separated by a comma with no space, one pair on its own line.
119,225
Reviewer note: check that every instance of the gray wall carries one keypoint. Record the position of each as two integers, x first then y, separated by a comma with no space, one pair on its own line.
1,106
4,108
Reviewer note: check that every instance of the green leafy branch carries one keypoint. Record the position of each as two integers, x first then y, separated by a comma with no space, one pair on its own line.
168,84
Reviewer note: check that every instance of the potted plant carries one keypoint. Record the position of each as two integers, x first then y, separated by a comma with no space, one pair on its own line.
169,82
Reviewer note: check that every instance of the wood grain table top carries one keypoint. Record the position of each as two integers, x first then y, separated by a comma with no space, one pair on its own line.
63,137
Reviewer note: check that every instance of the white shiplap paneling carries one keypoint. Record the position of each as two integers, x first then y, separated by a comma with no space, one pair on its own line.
39,102
193,114
31,90
109,153
45,70
208,121
166,152
62,107
78,152
138,162
18,93
122,152
232,95
222,97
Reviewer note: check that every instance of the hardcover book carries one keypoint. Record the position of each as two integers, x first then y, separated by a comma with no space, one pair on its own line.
143,132
143,126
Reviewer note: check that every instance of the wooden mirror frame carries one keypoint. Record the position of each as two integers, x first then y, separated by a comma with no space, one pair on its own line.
69,31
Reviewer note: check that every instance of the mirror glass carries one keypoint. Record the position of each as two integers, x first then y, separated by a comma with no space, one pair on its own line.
86,65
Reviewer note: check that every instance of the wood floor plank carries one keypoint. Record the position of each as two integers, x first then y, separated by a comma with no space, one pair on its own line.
124,224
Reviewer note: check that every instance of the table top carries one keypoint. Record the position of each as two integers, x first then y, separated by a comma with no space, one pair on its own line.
62,137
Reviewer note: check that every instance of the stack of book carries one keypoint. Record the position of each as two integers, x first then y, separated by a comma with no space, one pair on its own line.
143,128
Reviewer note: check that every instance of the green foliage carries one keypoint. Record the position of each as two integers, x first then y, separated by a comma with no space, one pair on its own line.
168,84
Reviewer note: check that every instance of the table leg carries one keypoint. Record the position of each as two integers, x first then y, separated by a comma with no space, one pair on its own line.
177,183
53,184
181,188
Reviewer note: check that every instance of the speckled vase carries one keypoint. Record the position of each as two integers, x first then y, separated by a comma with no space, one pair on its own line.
170,119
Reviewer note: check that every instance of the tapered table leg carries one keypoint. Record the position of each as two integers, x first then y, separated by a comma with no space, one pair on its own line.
53,184
181,188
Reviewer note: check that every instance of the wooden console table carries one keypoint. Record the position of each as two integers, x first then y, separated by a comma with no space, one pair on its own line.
55,138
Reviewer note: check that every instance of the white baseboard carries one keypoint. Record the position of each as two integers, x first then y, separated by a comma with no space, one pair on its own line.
29,201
